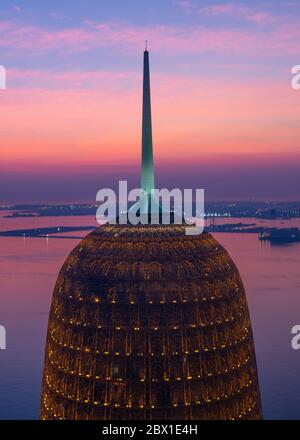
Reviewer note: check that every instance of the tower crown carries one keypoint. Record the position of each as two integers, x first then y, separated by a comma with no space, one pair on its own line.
148,324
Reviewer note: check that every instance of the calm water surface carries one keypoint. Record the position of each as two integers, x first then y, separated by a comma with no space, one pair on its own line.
28,270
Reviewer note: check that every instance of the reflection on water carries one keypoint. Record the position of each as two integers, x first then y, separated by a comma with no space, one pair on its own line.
28,270
272,280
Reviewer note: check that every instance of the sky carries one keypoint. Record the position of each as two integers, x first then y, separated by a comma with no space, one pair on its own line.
225,117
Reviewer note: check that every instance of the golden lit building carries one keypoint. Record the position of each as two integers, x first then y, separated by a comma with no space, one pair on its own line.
149,323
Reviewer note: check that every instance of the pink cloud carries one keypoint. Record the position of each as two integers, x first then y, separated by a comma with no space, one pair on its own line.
237,11
68,80
261,18
166,39
39,39
57,15
186,5
223,9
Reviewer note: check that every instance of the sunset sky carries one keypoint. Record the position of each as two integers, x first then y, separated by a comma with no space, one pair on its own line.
225,117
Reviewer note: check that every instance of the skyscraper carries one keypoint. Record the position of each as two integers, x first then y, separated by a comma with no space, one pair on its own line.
149,323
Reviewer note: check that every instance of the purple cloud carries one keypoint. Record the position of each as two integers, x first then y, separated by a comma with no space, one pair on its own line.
164,38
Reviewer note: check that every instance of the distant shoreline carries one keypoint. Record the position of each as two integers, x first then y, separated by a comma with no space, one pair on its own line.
240,209
55,232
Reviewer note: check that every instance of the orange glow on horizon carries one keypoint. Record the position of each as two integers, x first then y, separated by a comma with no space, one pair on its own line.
192,117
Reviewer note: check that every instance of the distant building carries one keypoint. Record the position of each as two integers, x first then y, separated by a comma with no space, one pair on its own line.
148,323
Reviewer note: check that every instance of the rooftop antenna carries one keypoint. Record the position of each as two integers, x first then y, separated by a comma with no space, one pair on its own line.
146,48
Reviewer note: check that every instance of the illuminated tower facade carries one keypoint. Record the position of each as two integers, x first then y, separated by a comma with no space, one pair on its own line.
149,323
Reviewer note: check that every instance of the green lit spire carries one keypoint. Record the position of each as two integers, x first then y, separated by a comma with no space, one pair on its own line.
147,176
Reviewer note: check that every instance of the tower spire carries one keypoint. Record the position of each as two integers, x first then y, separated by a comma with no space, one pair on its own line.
147,174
